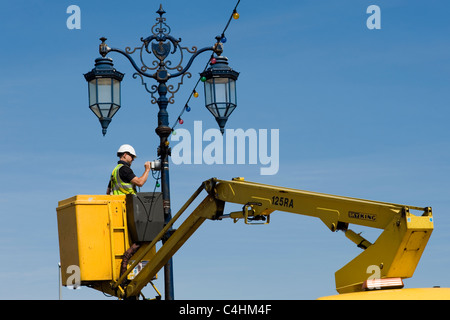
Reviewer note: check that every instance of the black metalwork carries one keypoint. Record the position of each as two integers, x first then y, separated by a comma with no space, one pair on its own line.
161,45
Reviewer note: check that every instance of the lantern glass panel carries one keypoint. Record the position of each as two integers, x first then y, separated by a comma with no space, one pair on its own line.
96,110
221,90
104,90
116,92
209,93
104,109
232,90
92,92
113,110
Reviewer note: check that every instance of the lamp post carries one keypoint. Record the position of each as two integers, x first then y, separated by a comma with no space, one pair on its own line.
162,45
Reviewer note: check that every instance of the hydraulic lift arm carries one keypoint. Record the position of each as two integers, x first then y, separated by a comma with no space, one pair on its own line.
396,252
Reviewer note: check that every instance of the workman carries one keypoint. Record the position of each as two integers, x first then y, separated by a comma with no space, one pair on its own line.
123,180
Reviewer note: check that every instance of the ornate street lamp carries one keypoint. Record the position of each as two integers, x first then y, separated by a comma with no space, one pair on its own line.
104,90
220,89
221,98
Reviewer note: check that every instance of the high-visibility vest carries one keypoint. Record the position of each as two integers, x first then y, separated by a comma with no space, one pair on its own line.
118,186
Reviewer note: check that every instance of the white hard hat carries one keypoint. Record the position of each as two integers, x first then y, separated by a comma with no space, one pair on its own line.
127,148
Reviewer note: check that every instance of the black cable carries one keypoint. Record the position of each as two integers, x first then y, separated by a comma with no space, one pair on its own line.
186,105
151,204
229,20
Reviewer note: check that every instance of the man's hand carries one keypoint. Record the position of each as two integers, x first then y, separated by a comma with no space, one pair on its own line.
140,181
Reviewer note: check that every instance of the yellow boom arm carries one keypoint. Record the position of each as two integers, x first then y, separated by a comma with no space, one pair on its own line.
396,252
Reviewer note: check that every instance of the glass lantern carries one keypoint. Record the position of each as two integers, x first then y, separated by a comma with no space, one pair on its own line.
220,90
104,90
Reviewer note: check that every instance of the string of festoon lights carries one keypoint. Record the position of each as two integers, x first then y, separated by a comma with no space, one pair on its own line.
186,108
212,60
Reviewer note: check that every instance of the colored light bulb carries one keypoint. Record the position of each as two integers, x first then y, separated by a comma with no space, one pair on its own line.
223,40
180,121
235,16
203,79
188,108
195,94
174,133
158,185
213,60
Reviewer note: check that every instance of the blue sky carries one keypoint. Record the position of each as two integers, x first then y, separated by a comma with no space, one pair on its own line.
361,113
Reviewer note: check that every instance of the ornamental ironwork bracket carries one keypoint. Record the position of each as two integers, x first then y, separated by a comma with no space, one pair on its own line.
161,45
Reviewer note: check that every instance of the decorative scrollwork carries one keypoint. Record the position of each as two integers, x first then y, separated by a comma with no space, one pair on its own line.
144,66
193,50
129,51
170,87
154,88
162,46
160,26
